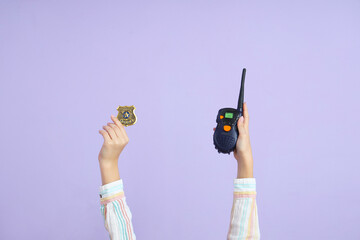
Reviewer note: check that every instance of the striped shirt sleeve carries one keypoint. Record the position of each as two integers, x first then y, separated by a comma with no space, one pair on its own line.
244,223
116,213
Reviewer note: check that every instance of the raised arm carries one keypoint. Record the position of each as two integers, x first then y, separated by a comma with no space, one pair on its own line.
115,211
244,222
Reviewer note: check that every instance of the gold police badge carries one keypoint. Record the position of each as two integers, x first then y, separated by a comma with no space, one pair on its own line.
127,115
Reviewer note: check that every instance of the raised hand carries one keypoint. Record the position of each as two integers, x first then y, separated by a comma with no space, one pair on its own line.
242,152
115,140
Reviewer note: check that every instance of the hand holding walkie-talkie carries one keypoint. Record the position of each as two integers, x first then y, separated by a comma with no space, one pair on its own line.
226,132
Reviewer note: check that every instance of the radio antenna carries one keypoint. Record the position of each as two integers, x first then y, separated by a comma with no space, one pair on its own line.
241,94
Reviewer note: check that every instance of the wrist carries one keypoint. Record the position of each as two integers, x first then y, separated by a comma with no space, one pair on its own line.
245,172
245,165
109,171
108,163
243,155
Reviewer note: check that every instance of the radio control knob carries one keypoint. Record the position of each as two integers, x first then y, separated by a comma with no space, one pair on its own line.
227,128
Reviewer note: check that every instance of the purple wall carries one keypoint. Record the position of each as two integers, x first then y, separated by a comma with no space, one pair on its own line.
66,66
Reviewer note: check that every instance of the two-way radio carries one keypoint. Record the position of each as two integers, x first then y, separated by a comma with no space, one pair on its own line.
226,132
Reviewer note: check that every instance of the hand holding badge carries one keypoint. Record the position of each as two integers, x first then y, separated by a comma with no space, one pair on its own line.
126,115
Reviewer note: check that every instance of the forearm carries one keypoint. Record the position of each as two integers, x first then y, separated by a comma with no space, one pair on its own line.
109,171
245,166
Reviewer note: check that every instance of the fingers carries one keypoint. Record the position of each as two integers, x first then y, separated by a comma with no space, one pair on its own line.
115,134
105,135
122,133
246,115
118,124
243,122
115,128
241,126
111,132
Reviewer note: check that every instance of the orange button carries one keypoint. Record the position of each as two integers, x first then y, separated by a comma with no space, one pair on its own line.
221,116
227,128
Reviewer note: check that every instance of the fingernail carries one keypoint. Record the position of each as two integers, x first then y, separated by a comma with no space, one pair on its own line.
242,119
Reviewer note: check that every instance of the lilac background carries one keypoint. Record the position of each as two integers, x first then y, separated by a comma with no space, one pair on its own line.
66,65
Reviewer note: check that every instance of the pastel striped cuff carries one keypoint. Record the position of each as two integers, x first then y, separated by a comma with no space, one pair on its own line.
111,191
244,188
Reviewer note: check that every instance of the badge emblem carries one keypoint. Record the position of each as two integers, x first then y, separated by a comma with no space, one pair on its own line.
126,115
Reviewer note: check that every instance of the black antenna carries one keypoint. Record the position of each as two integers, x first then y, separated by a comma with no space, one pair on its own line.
241,95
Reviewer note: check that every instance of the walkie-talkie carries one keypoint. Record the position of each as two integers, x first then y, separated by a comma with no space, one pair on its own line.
226,132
